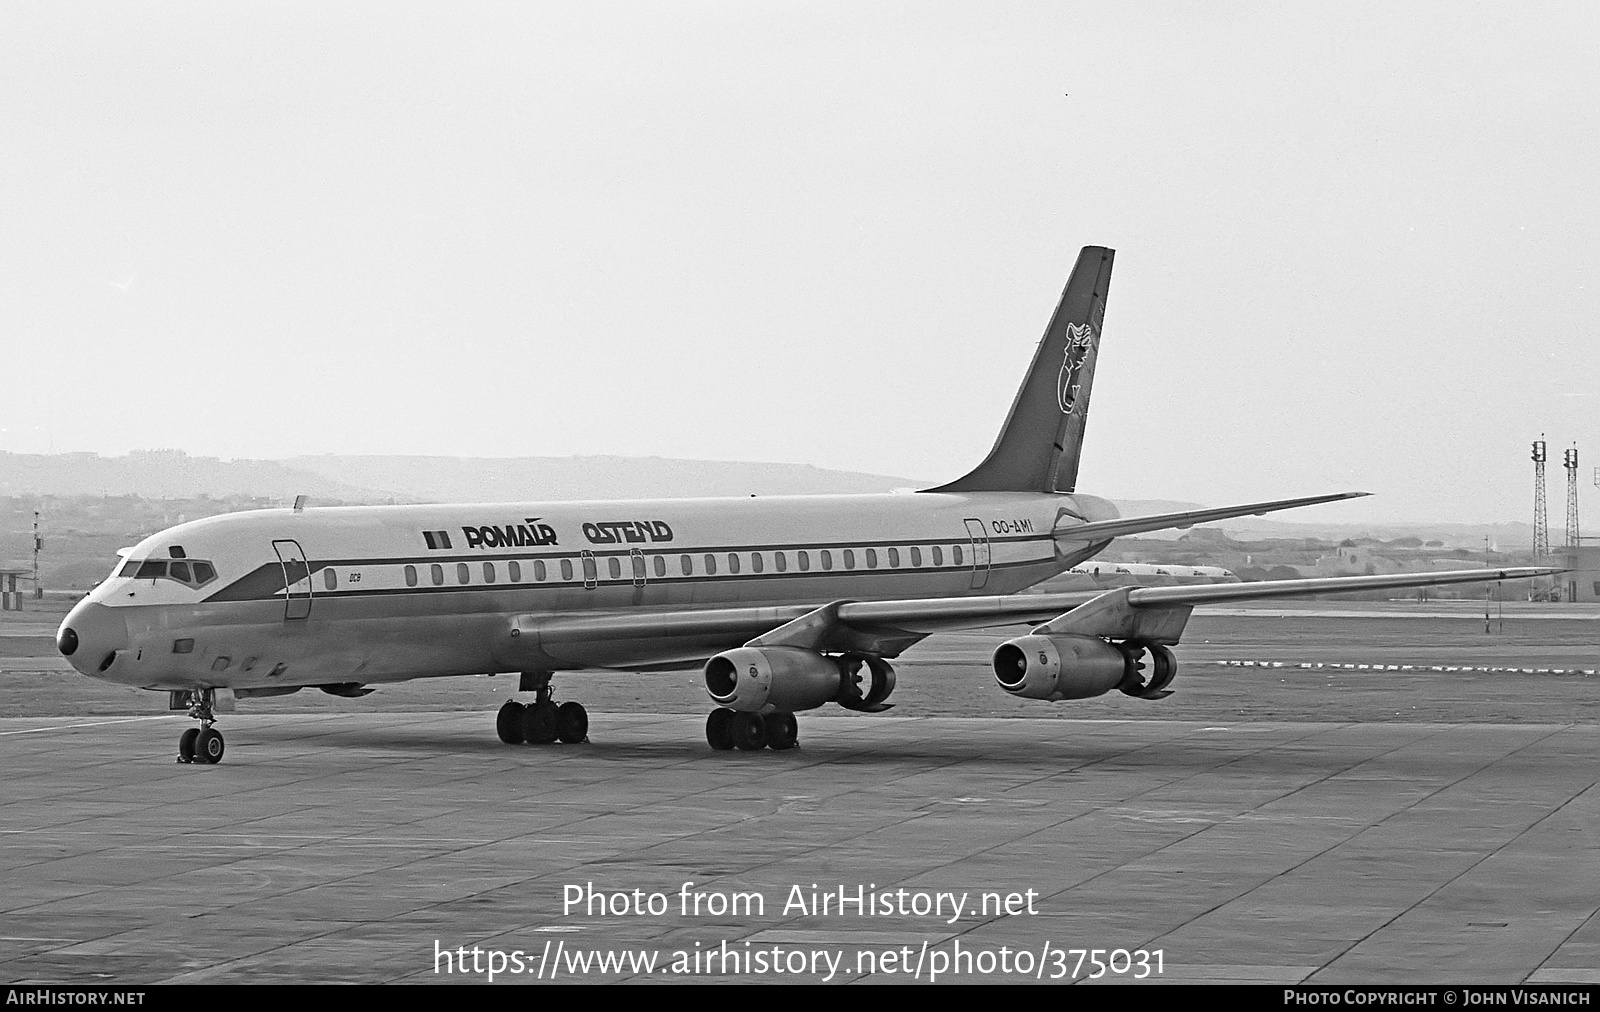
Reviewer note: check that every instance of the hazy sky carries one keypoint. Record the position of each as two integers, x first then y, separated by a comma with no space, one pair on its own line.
1357,243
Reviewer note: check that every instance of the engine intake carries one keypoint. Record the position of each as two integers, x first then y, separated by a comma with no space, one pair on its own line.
767,679
1062,667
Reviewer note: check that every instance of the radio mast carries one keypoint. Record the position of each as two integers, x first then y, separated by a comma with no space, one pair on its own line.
1570,462
1541,521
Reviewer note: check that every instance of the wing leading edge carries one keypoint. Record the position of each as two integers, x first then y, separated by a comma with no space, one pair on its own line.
889,627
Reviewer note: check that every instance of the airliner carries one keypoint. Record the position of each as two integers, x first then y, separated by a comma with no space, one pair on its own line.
784,604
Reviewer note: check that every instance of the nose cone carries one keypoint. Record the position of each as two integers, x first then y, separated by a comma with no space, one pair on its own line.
91,636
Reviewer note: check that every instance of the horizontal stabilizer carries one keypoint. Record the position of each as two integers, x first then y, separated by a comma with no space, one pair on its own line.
1105,530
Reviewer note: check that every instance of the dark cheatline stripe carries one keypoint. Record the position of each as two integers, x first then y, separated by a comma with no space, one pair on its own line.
263,585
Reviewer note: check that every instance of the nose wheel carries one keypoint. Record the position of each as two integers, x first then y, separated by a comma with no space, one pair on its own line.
543,720
202,744
729,729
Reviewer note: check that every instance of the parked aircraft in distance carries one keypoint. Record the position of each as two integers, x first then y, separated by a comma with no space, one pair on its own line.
1101,575
785,603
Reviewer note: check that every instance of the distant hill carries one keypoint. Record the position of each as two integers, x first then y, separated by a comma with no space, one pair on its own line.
162,474
532,479
173,474
1505,536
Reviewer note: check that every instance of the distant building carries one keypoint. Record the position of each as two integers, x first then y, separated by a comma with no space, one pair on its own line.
1351,559
10,597
1583,582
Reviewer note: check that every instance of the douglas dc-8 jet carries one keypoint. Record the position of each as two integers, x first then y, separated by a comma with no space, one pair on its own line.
784,603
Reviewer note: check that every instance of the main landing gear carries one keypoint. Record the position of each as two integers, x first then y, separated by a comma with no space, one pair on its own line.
740,729
541,721
201,744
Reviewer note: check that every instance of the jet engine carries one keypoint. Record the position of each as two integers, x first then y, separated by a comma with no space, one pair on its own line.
1064,667
766,679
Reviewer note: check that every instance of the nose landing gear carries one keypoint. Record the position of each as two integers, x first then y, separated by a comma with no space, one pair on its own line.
201,744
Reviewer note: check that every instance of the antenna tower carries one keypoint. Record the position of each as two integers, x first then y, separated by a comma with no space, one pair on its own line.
1541,520
38,543
1570,462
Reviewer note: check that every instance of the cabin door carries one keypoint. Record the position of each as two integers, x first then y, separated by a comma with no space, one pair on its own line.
980,553
296,582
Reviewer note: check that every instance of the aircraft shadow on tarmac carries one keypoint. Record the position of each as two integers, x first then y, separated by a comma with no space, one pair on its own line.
1009,747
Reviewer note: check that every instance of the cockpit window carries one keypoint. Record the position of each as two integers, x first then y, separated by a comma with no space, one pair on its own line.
191,573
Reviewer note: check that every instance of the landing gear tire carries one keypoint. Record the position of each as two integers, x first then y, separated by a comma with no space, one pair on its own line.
540,722
783,731
718,733
572,723
208,745
749,731
186,745
508,722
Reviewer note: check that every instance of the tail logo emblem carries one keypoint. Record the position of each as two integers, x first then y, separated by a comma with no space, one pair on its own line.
1080,341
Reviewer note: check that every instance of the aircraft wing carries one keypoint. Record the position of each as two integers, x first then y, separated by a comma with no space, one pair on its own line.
888,627
1105,530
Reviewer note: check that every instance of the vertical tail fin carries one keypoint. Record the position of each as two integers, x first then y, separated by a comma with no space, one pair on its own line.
1039,444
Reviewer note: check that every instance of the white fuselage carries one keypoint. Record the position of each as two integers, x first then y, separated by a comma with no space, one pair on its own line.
385,593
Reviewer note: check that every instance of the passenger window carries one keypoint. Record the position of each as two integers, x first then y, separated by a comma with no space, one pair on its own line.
638,567
566,569
783,563
827,559
515,571
437,572
916,556
686,563
203,573
733,562
330,579
488,572
805,561
849,558
615,566
938,556
661,566
411,576
463,573
872,558
180,571
955,554
756,565
711,565
539,571
894,558
590,573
